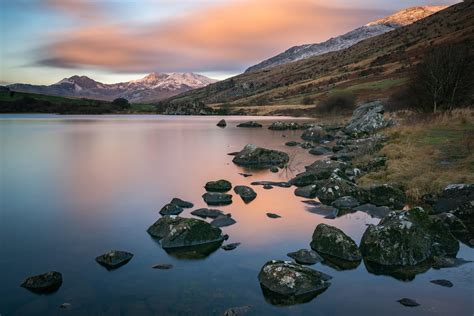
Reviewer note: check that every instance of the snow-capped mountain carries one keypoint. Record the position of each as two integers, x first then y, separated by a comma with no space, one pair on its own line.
384,25
151,88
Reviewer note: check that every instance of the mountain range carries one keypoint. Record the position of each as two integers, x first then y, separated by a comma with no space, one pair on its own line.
151,88
384,25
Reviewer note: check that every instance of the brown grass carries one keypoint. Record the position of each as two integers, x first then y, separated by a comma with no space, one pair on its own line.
426,153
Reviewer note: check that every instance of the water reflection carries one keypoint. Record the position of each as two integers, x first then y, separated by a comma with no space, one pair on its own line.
288,300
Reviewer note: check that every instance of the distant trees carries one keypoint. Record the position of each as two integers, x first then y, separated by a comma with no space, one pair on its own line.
337,103
121,104
443,80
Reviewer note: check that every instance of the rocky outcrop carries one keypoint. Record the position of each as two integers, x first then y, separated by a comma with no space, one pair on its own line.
367,118
114,259
291,281
257,157
175,232
329,240
407,238
44,283
246,193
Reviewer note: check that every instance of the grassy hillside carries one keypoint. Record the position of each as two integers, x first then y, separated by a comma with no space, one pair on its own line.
374,68
21,102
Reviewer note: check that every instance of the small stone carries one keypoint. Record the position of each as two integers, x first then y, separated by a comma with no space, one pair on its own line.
163,266
222,123
223,220
67,306
445,283
171,209
274,169
245,175
207,212
273,215
231,246
181,203
114,259
408,302
292,143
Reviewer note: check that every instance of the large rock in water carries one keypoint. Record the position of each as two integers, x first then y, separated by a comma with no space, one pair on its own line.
43,283
246,193
175,231
407,238
329,240
257,157
218,186
216,198
114,259
290,282
367,118
335,187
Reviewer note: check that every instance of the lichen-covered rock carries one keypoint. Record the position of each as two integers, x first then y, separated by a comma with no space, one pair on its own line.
387,195
407,238
249,124
207,212
367,118
222,123
246,193
216,198
332,241
218,186
171,209
181,203
114,259
257,157
453,196
43,283
323,169
175,231
335,187
291,279
304,179
305,256
345,203
314,134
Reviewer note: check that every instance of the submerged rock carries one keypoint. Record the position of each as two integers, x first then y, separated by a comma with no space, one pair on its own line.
274,169
171,209
337,186
273,215
408,302
246,193
292,283
325,210
332,241
222,123
249,124
181,203
216,198
445,283
387,195
175,231
314,134
448,262
305,256
114,259
367,118
223,220
163,266
207,212
407,238
257,157
218,186
44,283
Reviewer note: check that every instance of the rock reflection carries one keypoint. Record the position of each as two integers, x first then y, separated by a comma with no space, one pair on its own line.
288,300
194,252
402,273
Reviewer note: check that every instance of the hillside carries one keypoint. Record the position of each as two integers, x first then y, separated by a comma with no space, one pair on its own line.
373,68
384,25
153,87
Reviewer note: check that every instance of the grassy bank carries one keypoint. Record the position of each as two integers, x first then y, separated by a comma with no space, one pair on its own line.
427,152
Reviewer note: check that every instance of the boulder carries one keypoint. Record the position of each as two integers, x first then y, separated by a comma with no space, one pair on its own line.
367,118
246,193
305,256
257,157
304,179
44,283
283,126
218,186
346,203
216,198
456,227
181,203
443,282
175,232
114,259
335,187
223,220
329,240
231,246
207,212
222,123
387,195
237,311
249,124
319,150
308,191
453,196
314,134
171,209
291,279
323,169
407,238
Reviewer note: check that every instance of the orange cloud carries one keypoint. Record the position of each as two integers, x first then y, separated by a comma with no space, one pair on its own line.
229,36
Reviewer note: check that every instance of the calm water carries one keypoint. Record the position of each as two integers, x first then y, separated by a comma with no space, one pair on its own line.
73,187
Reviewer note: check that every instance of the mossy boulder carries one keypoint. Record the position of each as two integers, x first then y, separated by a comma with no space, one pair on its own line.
218,186
257,157
407,238
332,241
175,231
292,280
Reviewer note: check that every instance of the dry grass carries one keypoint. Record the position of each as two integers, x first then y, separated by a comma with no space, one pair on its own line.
428,152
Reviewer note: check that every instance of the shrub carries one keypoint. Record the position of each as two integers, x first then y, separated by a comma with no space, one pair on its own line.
337,103
307,101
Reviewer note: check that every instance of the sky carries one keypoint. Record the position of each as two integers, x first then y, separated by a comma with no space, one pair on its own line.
44,41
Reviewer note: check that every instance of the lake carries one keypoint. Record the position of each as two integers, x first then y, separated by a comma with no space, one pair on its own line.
73,187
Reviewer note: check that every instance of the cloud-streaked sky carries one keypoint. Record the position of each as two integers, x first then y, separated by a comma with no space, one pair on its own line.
43,41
